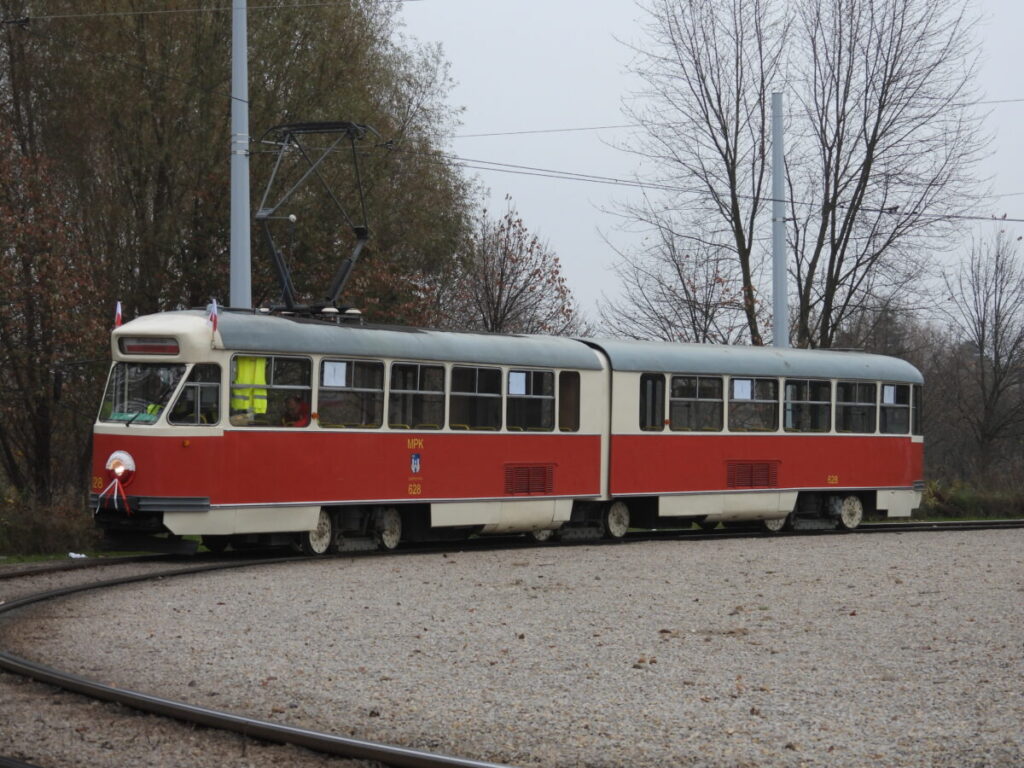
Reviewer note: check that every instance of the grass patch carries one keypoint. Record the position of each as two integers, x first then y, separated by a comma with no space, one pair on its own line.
22,559
959,501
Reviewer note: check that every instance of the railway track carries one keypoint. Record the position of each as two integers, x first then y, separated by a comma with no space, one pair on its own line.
61,566
64,566
250,727
280,733
950,525
821,528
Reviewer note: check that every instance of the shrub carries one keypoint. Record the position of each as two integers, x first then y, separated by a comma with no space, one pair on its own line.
960,500
29,528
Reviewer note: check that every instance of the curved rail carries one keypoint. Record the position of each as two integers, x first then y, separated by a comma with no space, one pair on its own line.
259,729
754,530
59,566
946,525
513,541
10,762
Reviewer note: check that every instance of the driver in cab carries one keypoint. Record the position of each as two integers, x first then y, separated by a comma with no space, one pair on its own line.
296,412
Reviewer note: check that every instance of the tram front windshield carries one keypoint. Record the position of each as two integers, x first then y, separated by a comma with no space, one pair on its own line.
137,393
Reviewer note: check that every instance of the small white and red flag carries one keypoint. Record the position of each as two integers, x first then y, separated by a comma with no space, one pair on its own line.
117,315
213,315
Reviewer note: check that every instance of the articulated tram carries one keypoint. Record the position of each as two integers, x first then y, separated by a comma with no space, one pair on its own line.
260,427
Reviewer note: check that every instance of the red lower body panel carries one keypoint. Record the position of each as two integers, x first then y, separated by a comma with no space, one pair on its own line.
277,467
679,463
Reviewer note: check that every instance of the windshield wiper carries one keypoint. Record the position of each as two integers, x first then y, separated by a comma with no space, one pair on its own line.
157,401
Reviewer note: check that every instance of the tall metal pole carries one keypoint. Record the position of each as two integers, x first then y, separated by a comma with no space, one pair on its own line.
780,305
241,260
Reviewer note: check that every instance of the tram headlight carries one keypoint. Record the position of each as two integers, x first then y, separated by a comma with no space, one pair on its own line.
121,466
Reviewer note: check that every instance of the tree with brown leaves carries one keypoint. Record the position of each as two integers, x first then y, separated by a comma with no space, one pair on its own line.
507,281
50,330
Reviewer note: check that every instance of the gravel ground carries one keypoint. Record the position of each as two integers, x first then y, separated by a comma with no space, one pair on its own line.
48,727
894,650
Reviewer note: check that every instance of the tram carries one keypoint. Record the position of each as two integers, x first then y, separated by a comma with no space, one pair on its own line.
264,427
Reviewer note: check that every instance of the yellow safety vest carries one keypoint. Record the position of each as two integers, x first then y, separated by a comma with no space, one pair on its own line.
249,389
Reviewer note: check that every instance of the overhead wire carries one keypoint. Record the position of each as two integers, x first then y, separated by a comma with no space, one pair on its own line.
623,126
527,170
470,163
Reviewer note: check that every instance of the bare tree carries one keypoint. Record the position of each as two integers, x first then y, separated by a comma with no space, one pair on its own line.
704,121
507,281
985,306
881,138
678,289
885,146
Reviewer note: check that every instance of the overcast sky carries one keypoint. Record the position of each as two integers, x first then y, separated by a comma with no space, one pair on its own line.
529,65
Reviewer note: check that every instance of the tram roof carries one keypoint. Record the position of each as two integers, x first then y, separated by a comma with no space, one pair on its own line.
254,332
753,361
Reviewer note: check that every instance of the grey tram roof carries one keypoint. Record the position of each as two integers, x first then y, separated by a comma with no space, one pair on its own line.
250,332
764,361
255,332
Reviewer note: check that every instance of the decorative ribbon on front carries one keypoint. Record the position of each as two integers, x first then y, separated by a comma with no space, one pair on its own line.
116,489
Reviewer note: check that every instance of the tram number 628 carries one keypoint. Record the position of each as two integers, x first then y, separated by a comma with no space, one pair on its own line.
833,479
415,489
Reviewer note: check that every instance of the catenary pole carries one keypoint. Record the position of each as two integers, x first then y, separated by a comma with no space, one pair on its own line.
241,261
780,307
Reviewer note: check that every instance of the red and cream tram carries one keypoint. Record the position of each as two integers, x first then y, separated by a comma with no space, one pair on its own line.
277,428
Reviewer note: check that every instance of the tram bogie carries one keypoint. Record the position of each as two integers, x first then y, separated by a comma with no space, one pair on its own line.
272,429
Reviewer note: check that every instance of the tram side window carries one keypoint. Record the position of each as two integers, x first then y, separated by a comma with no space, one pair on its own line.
695,404
475,398
894,415
808,405
569,401
918,409
652,402
531,401
416,399
753,405
856,404
351,394
199,401
270,391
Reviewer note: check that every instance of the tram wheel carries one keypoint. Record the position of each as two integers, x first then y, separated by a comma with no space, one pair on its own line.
216,544
616,520
387,528
848,510
319,540
544,534
777,524
707,525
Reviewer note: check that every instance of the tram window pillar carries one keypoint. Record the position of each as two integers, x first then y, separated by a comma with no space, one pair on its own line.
916,426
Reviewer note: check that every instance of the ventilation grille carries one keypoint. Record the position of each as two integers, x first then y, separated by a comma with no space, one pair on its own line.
752,474
527,479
